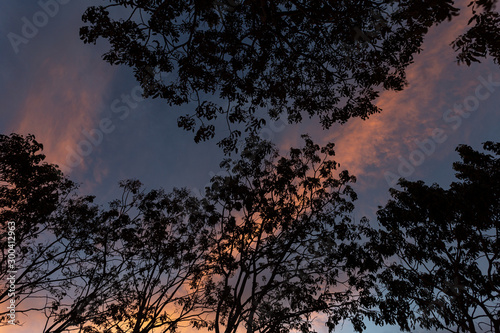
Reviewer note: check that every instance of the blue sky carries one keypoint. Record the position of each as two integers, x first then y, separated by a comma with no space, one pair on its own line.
61,90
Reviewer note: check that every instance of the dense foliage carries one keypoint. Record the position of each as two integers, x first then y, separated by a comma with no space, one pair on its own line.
237,60
447,245
271,246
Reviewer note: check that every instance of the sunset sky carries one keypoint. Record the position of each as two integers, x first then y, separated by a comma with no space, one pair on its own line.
60,90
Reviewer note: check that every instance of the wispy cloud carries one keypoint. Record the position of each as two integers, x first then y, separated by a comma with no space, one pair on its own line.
368,148
64,98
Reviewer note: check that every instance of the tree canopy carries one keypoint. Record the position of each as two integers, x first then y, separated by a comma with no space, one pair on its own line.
31,192
271,246
238,60
447,247
55,255
286,248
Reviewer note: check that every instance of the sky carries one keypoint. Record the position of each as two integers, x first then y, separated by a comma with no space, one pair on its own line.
60,90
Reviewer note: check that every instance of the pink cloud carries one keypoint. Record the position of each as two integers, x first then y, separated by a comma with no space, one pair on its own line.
435,83
64,99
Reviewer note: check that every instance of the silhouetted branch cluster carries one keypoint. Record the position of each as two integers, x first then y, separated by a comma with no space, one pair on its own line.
238,59
447,245
242,62
270,247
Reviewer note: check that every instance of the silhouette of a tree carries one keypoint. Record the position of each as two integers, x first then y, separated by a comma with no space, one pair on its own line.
59,265
292,58
30,195
285,247
483,38
90,281
162,241
270,247
447,245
